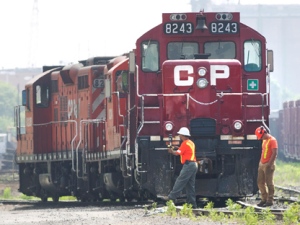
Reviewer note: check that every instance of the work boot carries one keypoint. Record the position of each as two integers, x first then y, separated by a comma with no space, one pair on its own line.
261,204
164,198
268,204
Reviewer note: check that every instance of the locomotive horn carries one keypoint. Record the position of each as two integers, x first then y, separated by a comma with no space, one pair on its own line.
201,20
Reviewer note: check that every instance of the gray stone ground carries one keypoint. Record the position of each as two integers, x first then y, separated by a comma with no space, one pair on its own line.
13,215
90,215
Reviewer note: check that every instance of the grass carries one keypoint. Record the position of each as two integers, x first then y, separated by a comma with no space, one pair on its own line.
287,173
8,195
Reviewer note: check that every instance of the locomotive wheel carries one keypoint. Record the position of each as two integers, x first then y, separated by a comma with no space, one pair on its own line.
122,199
44,198
55,198
129,199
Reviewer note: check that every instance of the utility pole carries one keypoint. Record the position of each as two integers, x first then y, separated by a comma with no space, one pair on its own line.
34,35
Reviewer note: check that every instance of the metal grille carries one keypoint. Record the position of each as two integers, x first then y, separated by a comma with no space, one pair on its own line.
203,127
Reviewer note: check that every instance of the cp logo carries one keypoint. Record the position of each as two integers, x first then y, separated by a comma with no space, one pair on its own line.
216,72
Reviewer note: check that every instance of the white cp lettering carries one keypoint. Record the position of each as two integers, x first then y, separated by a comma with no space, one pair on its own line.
218,72
178,81
72,108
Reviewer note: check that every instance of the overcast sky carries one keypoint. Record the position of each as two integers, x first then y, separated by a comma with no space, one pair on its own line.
71,30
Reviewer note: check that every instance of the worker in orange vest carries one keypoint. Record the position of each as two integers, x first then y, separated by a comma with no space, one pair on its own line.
266,166
187,176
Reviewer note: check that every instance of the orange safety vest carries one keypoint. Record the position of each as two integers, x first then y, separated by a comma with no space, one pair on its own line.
267,149
187,151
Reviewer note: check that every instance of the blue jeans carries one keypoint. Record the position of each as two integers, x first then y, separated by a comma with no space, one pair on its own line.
186,179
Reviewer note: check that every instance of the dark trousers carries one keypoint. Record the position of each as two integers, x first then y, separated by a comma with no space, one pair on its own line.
186,179
265,181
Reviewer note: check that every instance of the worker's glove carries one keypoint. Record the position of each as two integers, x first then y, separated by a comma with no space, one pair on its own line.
173,147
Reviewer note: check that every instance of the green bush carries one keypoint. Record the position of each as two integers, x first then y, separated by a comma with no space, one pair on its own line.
292,214
7,193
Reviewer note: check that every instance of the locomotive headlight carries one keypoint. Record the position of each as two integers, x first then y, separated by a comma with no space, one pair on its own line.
202,71
202,83
237,125
178,16
169,126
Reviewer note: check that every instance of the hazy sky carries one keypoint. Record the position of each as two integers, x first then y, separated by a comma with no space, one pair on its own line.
71,30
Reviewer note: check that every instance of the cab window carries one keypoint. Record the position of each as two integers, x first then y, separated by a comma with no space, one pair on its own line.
182,50
150,56
252,56
42,95
220,49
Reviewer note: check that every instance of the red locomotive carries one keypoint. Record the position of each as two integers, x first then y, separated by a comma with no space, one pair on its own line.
99,129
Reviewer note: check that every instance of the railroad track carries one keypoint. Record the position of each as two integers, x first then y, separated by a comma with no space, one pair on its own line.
290,191
277,212
63,204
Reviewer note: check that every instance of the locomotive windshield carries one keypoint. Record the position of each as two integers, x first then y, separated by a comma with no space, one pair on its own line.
182,50
220,49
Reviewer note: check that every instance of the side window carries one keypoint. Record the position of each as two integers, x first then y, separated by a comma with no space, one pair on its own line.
54,86
220,49
26,98
82,82
41,95
150,56
122,82
252,56
182,50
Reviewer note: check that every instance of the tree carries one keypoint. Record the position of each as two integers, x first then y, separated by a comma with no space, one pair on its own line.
8,99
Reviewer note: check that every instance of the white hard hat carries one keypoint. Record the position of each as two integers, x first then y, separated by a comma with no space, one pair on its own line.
184,131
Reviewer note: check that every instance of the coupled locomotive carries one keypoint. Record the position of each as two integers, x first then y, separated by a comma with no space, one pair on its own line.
99,129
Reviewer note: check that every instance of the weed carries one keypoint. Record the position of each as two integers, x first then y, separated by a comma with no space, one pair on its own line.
213,213
26,197
187,211
267,217
250,216
292,214
236,208
7,193
154,205
171,209
67,198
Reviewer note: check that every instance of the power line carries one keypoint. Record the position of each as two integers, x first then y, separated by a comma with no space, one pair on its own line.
34,35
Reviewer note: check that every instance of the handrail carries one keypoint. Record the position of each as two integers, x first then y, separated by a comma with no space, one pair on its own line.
118,95
262,105
79,142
